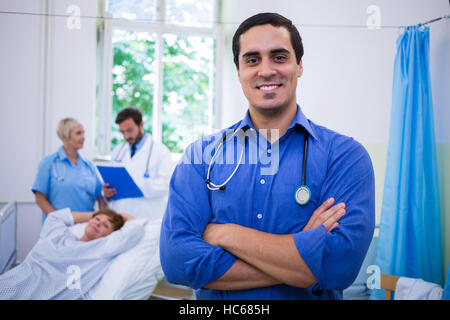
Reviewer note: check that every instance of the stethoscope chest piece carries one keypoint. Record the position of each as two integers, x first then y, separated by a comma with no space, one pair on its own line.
302,195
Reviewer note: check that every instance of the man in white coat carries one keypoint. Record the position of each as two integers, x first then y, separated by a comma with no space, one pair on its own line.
149,164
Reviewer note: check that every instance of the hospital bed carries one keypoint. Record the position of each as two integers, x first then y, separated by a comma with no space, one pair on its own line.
134,274
358,290
8,236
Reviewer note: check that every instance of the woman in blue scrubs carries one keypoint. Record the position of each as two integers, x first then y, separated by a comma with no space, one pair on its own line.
65,179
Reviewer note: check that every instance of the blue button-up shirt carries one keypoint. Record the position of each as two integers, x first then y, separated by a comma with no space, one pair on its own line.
141,142
261,195
67,185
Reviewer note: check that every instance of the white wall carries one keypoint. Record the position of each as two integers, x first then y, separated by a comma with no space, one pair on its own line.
26,133
347,79
73,71
28,130
20,38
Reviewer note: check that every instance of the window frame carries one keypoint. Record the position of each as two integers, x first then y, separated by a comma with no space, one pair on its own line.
159,28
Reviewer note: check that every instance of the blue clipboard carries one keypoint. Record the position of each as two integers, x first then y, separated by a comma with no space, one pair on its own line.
120,179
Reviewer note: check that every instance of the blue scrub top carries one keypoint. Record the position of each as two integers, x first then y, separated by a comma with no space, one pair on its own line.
66,185
261,196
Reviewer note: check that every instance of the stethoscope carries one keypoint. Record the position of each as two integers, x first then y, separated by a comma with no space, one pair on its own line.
55,174
59,178
302,193
122,154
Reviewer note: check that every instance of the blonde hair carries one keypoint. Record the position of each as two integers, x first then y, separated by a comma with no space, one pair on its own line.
65,126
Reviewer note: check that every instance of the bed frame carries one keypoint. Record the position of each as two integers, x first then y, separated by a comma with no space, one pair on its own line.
8,236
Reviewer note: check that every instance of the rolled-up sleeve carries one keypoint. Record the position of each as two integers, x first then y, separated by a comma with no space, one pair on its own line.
42,180
185,257
335,257
57,221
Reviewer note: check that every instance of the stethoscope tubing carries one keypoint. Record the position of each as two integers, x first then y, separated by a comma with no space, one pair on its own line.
55,174
209,183
305,151
121,153
214,187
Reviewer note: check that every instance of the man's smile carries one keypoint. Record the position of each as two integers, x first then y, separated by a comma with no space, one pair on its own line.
268,87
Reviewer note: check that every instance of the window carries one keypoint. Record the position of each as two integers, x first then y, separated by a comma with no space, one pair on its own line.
158,56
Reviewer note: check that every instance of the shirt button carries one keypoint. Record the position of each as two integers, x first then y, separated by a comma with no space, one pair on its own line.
262,181
259,216
269,151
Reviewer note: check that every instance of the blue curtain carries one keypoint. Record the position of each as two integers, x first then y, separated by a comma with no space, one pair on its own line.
409,241
446,295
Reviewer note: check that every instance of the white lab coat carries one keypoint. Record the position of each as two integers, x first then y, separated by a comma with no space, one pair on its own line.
155,188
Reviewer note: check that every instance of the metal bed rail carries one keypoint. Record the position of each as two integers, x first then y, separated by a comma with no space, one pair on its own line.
8,236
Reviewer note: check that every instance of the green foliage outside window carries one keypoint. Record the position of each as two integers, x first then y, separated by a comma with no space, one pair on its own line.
187,66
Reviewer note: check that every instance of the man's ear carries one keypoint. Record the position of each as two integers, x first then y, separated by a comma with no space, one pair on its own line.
141,126
238,74
300,69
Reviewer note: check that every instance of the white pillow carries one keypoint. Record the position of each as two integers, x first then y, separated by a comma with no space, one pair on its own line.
134,274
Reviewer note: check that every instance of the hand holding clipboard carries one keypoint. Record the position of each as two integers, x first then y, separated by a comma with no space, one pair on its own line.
121,180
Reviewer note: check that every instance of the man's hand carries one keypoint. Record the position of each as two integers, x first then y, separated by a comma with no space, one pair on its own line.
108,192
326,216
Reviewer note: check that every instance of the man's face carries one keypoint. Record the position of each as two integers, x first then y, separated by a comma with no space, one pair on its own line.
131,132
268,69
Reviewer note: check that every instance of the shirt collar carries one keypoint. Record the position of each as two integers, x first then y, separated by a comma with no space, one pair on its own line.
141,142
299,120
62,154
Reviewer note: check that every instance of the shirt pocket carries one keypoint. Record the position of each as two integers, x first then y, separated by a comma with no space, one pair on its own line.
287,209
88,182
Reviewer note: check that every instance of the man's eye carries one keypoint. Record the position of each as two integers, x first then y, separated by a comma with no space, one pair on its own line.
252,60
280,58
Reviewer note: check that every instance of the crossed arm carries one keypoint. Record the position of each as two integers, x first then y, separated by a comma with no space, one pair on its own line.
266,259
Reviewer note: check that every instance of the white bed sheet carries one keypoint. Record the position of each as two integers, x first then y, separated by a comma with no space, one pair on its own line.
133,275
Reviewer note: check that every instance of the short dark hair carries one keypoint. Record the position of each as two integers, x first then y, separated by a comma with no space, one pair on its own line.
273,19
115,218
128,113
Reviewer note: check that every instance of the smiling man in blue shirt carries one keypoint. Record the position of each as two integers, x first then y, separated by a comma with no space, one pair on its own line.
235,229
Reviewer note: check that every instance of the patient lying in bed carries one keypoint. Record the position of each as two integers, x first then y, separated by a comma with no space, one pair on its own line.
63,266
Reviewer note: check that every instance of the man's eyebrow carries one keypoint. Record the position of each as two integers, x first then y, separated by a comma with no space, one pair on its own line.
255,53
250,53
280,50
